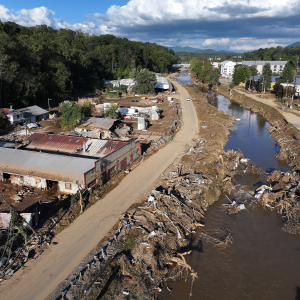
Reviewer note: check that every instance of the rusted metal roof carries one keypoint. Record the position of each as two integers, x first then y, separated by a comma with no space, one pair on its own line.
49,166
55,142
71,144
6,111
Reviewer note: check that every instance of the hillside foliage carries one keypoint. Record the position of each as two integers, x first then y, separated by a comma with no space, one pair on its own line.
40,63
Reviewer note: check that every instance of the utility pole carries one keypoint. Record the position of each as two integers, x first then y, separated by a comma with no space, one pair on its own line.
287,83
49,104
293,96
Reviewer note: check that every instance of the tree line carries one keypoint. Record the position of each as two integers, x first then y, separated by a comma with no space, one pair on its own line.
37,63
205,72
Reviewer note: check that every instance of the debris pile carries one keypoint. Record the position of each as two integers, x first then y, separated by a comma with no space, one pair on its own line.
168,137
283,194
145,251
31,250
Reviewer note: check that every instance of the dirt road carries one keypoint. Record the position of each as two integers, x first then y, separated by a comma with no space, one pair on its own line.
291,117
40,277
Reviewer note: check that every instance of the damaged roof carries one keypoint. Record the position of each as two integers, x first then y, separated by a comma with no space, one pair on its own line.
98,122
29,111
71,144
49,166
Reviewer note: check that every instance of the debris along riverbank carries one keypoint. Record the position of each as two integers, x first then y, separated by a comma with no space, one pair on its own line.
283,195
285,134
149,248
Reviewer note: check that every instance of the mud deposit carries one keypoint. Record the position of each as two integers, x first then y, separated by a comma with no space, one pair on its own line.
262,262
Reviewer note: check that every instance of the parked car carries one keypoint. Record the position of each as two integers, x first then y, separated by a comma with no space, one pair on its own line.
188,99
159,100
134,100
155,101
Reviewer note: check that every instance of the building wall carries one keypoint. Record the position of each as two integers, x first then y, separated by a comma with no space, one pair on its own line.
112,162
67,187
28,181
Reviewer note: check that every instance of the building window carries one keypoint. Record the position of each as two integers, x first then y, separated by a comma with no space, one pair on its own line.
92,183
113,169
68,186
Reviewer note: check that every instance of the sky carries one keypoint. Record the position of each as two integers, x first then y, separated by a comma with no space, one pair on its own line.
232,25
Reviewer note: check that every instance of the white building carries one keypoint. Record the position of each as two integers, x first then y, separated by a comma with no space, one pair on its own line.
276,66
215,64
30,114
227,68
162,82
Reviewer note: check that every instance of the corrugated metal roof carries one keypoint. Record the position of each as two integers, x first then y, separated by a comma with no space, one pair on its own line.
29,111
70,144
98,122
48,166
55,142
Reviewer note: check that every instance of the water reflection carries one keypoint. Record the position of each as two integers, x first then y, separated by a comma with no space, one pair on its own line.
184,78
251,136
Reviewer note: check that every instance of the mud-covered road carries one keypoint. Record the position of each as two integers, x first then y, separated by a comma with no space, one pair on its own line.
41,276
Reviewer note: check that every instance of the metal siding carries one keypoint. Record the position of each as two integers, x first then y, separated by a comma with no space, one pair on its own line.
123,163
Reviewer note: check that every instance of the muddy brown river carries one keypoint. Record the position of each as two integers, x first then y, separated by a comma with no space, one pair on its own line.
263,262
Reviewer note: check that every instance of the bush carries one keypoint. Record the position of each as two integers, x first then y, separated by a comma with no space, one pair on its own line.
231,85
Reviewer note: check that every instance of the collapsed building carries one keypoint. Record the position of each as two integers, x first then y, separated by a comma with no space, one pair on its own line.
103,128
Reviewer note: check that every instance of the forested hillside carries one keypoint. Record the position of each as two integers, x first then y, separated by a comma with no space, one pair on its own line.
278,53
39,62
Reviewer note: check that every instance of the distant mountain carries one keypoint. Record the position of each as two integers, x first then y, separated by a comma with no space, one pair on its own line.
293,45
196,50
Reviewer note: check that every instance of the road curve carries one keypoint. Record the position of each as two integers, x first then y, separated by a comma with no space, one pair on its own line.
40,277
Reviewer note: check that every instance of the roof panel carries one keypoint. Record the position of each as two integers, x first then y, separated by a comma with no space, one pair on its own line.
50,166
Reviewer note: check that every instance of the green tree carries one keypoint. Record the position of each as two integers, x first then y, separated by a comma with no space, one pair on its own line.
287,74
214,76
266,77
86,109
145,81
112,111
242,73
2,119
71,116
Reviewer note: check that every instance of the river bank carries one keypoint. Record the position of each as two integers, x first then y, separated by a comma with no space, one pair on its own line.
151,244
284,133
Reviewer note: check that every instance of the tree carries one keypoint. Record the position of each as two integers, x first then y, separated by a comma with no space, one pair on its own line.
2,119
71,116
112,111
214,76
86,109
287,74
145,81
266,77
278,89
242,73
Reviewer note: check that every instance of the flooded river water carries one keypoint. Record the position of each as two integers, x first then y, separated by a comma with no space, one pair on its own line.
263,261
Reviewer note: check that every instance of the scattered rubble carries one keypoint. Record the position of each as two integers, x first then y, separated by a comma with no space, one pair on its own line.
34,247
283,195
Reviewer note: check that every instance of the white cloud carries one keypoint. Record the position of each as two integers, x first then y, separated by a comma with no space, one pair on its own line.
216,42
145,12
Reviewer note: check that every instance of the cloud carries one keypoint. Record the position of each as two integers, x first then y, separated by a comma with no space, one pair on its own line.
200,23
216,42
